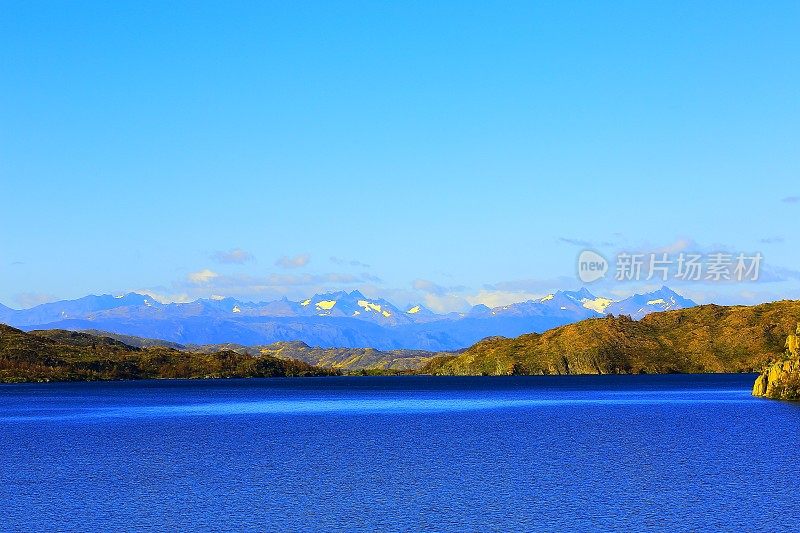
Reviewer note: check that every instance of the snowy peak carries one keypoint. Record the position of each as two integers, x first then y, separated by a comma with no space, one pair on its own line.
419,310
417,313
479,310
568,305
580,304
582,297
639,305
353,305
339,309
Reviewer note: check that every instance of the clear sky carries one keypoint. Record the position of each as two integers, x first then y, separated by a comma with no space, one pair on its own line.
446,152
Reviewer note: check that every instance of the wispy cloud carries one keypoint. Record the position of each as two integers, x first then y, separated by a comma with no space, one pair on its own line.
576,242
777,274
445,303
164,296
32,299
680,245
348,262
533,286
428,286
234,256
244,284
202,276
296,261
366,276
499,298
771,240
791,199
521,290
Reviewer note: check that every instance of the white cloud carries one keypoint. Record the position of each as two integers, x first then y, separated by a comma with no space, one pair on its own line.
233,256
679,245
348,262
577,242
533,286
297,261
445,303
165,298
32,299
202,276
209,284
428,286
499,298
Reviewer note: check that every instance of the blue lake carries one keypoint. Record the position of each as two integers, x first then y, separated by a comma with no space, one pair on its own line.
587,453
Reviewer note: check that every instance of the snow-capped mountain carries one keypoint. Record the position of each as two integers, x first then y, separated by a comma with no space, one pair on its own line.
574,304
342,319
353,305
639,305
420,314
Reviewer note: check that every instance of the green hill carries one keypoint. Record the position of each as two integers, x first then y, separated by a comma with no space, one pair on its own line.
344,359
59,355
708,338
132,340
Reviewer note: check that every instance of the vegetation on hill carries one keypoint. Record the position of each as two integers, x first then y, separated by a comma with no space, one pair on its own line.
133,340
780,378
708,338
59,355
345,359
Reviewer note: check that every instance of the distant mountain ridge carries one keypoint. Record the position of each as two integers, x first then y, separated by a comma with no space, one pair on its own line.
702,339
335,319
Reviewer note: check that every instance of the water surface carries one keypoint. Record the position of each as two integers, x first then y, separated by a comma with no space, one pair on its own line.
400,453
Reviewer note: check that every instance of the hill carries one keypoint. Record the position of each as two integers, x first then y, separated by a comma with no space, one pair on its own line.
133,340
708,338
349,358
59,355
345,359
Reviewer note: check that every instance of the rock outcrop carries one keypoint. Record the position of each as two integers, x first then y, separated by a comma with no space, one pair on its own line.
780,379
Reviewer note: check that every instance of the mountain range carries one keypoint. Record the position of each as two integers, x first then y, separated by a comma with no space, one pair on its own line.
701,339
335,319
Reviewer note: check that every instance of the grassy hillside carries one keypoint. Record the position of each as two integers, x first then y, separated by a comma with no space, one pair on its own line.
344,359
132,340
59,355
349,359
707,338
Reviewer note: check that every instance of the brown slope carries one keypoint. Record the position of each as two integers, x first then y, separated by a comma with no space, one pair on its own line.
706,338
58,355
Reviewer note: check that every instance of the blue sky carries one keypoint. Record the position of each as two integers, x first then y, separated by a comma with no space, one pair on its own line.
445,152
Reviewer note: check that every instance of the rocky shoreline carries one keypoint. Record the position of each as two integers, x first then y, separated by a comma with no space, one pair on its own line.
780,380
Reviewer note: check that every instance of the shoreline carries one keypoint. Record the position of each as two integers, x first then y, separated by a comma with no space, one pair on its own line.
436,377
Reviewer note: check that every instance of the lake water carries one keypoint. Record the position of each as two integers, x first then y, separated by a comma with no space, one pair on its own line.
400,454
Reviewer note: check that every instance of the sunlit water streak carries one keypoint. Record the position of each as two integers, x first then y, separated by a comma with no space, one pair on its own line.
367,406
